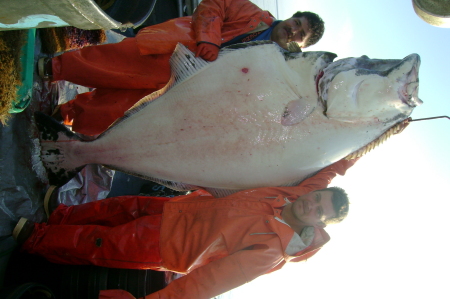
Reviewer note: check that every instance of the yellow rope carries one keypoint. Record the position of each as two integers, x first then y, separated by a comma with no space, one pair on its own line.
392,131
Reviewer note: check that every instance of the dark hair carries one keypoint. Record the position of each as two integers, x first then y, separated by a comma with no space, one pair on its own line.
340,204
316,24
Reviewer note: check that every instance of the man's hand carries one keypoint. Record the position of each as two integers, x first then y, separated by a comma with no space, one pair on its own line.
209,52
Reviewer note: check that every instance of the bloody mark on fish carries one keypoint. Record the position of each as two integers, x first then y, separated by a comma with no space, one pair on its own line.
319,76
245,70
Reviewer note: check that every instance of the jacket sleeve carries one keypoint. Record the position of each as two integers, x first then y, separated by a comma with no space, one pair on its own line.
318,181
218,276
210,15
324,177
222,275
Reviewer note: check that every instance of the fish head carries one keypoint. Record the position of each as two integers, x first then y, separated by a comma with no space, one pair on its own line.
364,89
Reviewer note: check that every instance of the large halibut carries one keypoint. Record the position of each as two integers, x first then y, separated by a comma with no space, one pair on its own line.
257,116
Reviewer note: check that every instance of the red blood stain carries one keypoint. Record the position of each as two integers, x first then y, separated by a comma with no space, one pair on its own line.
245,70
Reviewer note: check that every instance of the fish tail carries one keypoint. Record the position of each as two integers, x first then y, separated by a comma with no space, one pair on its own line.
54,139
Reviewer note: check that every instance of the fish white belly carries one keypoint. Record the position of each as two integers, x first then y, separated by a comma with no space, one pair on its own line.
213,124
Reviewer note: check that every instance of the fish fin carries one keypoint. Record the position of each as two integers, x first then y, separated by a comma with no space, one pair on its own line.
50,133
183,64
142,103
221,192
296,111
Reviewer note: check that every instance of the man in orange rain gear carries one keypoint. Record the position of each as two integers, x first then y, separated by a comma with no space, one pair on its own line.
219,243
125,72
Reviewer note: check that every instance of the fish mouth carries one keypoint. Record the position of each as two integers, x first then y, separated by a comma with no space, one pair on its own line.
408,92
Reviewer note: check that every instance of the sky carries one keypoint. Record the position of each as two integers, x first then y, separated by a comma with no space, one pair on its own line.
395,242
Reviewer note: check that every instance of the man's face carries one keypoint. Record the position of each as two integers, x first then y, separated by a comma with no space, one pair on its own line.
314,208
293,29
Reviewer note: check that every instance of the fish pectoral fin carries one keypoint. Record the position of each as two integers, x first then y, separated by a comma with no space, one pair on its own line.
296,111
184,64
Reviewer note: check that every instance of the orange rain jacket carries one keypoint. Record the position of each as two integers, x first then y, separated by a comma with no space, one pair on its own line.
119,72
224,243
214,21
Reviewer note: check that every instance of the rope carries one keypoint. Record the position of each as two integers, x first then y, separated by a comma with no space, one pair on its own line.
392,131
